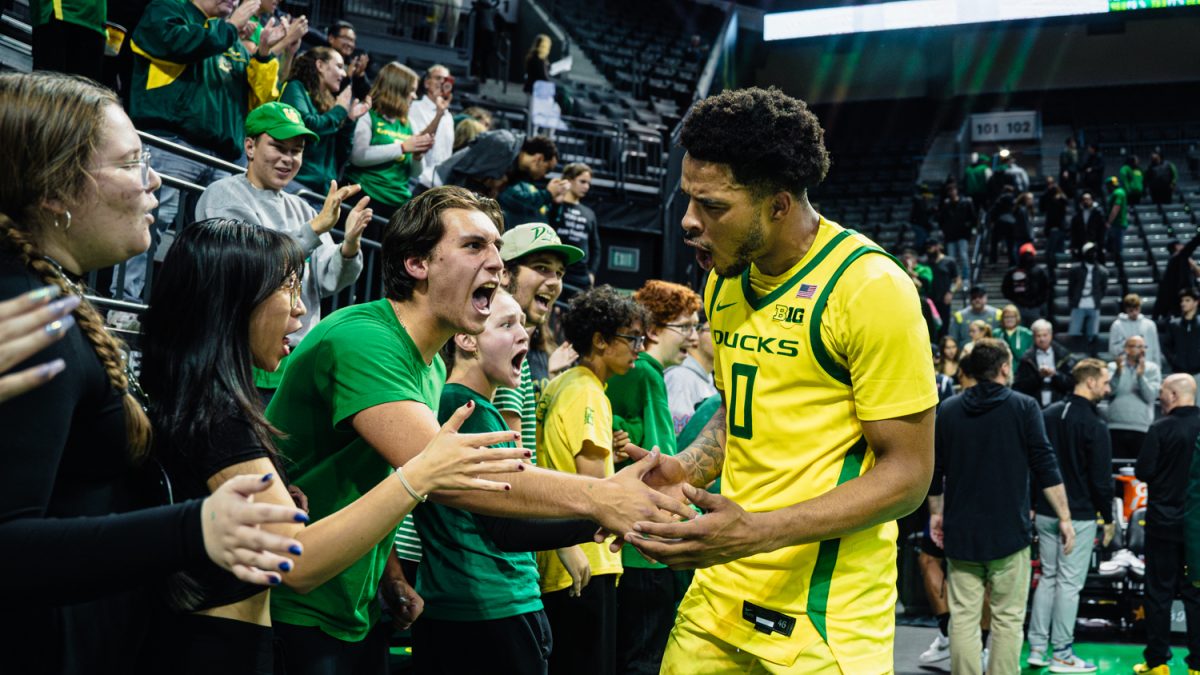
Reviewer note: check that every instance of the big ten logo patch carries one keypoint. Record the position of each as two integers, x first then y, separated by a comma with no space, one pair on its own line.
788,316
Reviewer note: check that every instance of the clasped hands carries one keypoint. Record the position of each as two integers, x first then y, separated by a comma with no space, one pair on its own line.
677,536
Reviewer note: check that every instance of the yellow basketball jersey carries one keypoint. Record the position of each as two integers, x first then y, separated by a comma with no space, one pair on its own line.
837,339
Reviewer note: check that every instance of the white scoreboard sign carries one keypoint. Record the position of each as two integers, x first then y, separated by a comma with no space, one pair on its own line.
1006,126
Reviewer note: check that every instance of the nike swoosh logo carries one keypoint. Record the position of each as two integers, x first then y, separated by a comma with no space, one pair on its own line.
721,307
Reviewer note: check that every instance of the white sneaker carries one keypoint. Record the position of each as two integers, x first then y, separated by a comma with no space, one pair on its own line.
1037,658
983,659
939,650
1070,663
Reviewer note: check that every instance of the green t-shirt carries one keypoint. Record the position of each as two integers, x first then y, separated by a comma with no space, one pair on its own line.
86,13
356,358
464,575
1132,179
640,408
522,402
1019,341
1118,198
387,182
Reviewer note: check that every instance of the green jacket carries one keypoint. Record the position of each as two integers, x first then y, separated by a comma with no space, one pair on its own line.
1019,341
87,13
976,180
193,77
324,158
1132,179
523,202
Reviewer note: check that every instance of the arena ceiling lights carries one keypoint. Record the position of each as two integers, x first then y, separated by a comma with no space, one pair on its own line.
909,14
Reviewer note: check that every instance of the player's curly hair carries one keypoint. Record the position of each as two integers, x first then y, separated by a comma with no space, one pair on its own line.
665,300
771,141
600,310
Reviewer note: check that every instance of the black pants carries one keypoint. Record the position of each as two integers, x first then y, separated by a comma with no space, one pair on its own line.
309,651
517,645
196,644
584,628
1126,444
1164,577
645,614
64,47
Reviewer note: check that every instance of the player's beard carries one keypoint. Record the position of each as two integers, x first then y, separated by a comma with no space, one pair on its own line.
747,249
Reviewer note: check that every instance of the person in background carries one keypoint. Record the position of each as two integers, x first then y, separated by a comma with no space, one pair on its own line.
312,89
920,214
385,151
76,196
646,595
979,329
1161,177
430,115
1018,338
190,51
1132,322
946,280
1044,372
1053,205
466,131
1132,179
1115,224
342,39
1068,166
957,216
537,61
1135,384
1183,335
1165,464
1027,285
1181,272
575,435
989,440
1077,432
978,309
269,12
947,358
69,37
1086,285
691,382
1087,225
1092,170
522,200
275,140
576,225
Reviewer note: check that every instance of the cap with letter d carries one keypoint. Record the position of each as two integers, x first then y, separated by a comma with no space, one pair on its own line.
523,240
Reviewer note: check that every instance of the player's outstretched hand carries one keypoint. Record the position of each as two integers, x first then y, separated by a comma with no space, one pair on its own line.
667,476
725,532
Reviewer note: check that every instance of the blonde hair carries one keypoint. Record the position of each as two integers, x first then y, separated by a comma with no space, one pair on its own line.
984,327
466,131
50,125
393,86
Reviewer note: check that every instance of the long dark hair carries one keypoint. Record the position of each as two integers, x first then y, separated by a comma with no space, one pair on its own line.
196,363
304,71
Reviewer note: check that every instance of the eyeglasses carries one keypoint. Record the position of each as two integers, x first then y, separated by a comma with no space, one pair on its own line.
684,329
142,161
293,286
635,341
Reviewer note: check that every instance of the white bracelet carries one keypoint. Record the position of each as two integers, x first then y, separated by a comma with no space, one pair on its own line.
411,491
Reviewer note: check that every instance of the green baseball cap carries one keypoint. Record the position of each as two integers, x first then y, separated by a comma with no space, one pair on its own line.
279,121
529,238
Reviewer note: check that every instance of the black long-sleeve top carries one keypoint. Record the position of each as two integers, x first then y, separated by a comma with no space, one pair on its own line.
987,440
76,555
1081,443
1182,346
576,225
1164,465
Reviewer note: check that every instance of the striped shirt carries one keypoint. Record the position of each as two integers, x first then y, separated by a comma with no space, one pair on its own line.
523,402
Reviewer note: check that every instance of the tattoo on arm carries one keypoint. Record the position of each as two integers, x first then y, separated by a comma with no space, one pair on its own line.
704,457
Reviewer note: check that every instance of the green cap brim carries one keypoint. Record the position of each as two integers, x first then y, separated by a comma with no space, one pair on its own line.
570,253
284,132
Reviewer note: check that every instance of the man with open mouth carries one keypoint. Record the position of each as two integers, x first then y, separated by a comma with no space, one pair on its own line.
826,432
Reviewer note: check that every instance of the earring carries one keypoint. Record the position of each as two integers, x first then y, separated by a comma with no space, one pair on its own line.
67,212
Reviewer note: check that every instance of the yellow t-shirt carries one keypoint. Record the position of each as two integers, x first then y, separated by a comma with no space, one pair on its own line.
803,359
574,409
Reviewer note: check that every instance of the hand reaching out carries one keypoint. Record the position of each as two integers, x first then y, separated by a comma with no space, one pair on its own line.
562,358
356,223
331,209
417,144
454,461
242,14
358,108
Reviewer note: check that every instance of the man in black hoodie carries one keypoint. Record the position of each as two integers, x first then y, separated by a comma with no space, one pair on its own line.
986,442
1080,440
1163,465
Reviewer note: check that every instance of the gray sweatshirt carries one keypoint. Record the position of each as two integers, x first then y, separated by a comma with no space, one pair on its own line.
1124,328
325,271
687,387
1132,404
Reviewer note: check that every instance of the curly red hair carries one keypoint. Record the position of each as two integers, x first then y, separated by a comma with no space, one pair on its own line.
665,301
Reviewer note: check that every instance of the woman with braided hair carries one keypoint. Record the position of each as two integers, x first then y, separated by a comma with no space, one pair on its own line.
81,544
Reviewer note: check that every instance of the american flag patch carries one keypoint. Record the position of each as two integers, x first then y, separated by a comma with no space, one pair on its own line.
806,290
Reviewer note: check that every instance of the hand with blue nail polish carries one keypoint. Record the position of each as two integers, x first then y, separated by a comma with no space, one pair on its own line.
233,538
30,323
